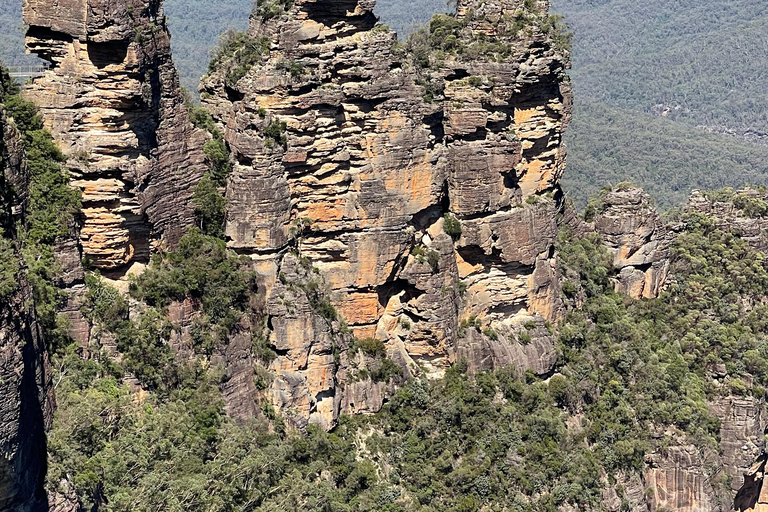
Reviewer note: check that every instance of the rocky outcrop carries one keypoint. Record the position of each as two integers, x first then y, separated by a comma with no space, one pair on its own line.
682,477
421,182
741,212
112,101
26,400
630,226
26,405
753,495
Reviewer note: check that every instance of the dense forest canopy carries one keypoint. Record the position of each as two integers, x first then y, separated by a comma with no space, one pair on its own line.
639,66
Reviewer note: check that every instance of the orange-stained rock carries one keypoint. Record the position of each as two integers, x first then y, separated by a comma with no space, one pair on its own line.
632,230
376,151
112,102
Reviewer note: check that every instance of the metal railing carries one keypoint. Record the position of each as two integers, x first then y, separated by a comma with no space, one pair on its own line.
27,71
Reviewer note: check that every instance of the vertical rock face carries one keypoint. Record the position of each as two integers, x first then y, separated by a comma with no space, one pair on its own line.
25,406
25,393
753,495
632,230
362,155
113,103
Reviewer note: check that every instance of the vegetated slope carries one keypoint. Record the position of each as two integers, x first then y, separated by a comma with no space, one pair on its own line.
701,63
706,57
609,145
634,377
12,35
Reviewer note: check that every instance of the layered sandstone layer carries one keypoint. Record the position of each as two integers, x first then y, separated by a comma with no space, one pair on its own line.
355,153
631,228
113,103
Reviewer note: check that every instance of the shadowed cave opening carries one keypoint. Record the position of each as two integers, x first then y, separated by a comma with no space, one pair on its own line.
107,53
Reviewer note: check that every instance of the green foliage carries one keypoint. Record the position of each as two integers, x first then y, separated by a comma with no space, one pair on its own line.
491,333
446,35
204,270
53,203
292,67
210,204
210,207
469,323
697,65
644,363
237,53
316,291
452,226
637,373
433,259
275,133
704,57
668,159
9,267
51,210
385,371
268,9
202,119
369,346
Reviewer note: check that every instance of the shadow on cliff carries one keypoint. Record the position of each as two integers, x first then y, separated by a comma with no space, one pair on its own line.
31,460
748,497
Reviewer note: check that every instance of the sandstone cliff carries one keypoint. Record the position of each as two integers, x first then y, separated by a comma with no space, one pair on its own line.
405,195
112,101
631,228
26,399
421,182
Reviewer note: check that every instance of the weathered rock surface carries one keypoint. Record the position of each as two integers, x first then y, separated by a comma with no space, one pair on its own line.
741,212
26,400
681,477
350,151
113,103
753,495
631,228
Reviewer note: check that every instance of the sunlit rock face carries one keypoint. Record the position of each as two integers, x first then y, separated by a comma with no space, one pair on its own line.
112,101
351,149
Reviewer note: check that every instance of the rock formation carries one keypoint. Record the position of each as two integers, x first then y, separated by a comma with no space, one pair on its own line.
26,400
741,212
753,496
397,194
424,189
632,230
112,101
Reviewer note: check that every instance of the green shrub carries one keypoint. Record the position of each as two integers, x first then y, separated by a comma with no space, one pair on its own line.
371,347
9,267
433,259
452,226
237,53
51,211
275,133
386,371
210,207
269,9
204,270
